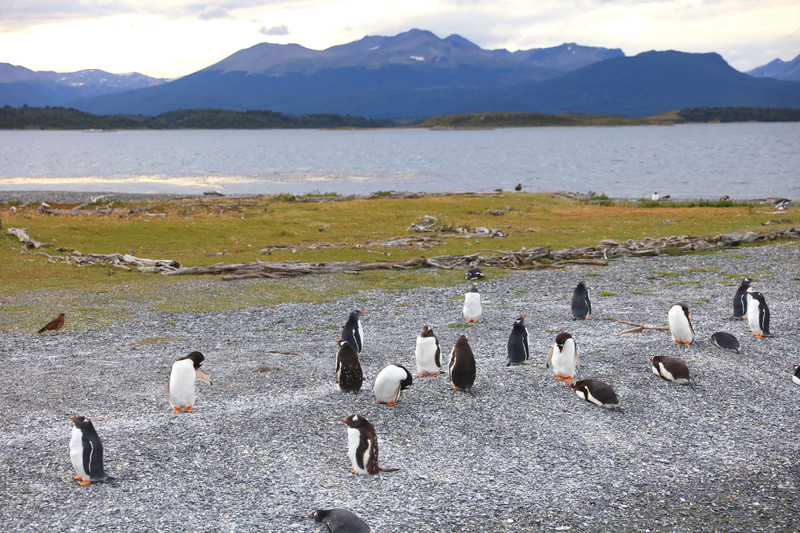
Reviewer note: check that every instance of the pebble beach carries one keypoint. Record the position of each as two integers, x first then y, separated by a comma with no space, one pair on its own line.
265,445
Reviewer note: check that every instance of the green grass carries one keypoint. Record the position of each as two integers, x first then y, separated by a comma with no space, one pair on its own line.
33,289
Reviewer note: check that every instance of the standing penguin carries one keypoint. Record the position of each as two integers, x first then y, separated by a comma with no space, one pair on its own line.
581,306
428,353
462,365
180,389
518,352
758,315
564,357
340,521
349,375
362,446
86,452
597,392
472,305
353,331
670,368
740,299
725,340
680,326
389,382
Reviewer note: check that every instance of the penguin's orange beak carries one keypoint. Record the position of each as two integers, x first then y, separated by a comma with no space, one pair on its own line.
343,421
73,419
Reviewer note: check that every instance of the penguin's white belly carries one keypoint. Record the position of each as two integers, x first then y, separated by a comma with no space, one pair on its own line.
796,379
753,316
426,355
76,452
182,384
563,362
353,440
387,384
666,374
472,306
679,326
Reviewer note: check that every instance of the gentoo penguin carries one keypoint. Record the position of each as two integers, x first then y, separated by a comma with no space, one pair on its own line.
670,368
349,375
362,446
428,353
472,305
340,521
518,351
598,392
564,357
54,325
680,326
86,452
725,340
740,299
581,306
389,382
796,375
758,315
473,274
782,203
462,365
180,388
353,331
654,197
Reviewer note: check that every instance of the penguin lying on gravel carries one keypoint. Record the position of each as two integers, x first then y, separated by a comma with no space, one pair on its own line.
86,452
670,368
362,446
725,341
597,392
340,521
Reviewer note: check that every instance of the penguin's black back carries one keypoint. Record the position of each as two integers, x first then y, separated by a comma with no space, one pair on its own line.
341,521
462,365
740,299
518,350
351,332
349,375
763,312
725,340
581,306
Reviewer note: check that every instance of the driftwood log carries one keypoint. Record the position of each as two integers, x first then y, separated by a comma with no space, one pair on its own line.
640,327
25,239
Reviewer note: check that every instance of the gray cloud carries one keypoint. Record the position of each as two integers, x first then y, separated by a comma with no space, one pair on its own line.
275,30
212,12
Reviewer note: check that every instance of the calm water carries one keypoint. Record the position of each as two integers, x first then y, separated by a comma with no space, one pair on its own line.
689,161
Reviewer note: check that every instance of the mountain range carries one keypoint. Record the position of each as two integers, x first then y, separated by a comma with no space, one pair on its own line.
417,74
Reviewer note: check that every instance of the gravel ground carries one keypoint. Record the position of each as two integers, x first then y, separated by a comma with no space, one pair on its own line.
265,445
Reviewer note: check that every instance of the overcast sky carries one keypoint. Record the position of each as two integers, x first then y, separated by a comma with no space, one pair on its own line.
171,38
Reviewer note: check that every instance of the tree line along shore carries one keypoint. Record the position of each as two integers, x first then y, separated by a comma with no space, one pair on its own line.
60,118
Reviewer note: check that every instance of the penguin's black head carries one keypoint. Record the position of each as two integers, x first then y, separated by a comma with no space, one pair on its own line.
319,515
561,338
196,357
406,383
747,281
520,321
581,286
81,422
462,340
356,315
683,306
356,421
474,288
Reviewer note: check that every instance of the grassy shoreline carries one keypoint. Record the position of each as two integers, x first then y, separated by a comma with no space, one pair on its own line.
206,231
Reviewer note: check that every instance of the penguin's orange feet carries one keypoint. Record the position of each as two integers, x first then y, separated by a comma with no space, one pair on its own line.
390,403
454,387
757,335
84,482
686,343
586,318
422,375
79,478
434,374
176,410
353,470
568,379
189,409
744,318
675,342
559,377
379,401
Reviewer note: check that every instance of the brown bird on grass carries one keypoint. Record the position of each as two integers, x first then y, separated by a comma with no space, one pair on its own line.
518,187
54,325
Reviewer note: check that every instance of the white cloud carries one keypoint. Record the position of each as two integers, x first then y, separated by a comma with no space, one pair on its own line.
176,37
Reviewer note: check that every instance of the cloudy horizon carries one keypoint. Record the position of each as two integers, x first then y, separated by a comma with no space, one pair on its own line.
173,38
